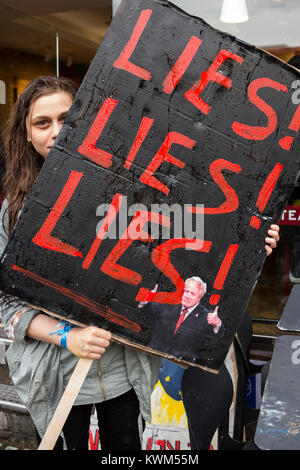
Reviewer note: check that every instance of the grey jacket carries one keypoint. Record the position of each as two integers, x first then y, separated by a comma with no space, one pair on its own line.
37,372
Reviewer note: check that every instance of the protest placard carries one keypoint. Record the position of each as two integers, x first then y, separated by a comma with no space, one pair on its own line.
179,151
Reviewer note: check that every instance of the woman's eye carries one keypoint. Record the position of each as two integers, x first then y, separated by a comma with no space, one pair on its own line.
42,123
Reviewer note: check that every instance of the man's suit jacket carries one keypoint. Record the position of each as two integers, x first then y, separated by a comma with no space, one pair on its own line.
185,343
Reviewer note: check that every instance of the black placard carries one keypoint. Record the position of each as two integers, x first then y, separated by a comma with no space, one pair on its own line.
172,115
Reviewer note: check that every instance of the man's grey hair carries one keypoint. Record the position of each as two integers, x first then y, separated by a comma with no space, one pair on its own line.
197,279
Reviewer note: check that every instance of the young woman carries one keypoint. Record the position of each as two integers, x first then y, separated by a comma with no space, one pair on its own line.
120,380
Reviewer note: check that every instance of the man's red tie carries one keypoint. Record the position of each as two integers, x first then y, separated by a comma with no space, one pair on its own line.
180,319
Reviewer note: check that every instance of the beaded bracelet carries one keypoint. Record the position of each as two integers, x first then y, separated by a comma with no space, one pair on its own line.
63,332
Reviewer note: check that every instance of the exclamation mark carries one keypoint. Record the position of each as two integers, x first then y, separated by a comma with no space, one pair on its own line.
265,193
286,142
222,273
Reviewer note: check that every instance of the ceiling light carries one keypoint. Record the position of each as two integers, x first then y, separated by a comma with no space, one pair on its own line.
234,11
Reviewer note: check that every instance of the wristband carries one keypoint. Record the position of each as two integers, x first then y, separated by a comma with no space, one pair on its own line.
63,332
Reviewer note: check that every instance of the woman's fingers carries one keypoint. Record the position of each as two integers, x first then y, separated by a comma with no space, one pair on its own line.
272,238
271,242
268,250
274,232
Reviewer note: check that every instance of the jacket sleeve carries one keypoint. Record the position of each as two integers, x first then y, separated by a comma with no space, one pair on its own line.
15,313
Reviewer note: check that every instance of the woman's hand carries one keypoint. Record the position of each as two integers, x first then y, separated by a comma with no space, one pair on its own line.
89,342
272,239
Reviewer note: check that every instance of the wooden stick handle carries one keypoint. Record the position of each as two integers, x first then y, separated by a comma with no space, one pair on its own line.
66,402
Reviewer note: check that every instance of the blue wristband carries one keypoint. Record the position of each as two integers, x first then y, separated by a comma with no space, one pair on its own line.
63,332
63,341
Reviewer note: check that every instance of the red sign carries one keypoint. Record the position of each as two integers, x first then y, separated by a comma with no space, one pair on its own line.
290,216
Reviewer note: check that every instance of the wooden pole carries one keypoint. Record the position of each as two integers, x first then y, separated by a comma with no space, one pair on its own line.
66,402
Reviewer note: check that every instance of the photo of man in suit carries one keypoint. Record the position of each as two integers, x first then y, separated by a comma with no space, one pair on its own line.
179,328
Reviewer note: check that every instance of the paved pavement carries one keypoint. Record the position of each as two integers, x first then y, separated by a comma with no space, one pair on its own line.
11,441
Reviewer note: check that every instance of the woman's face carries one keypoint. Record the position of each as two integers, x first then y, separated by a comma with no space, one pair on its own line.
45,119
